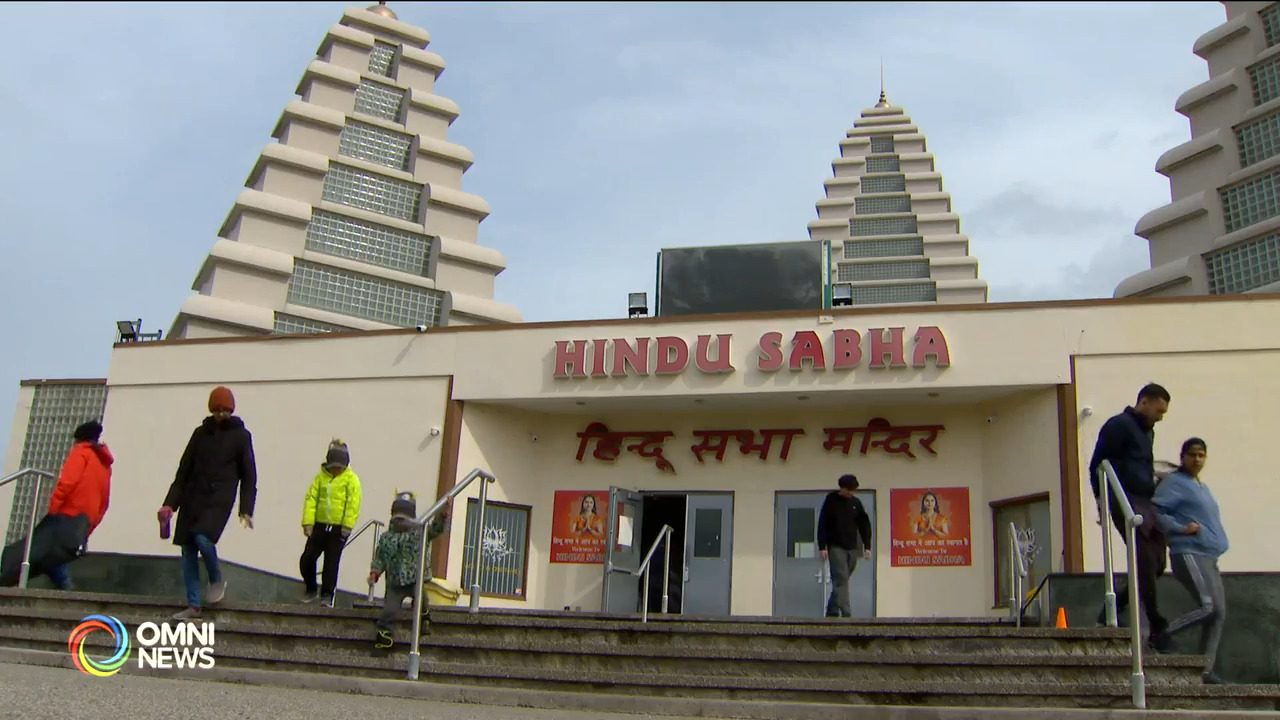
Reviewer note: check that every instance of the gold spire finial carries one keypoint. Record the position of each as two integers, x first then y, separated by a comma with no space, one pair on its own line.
884,101
382,9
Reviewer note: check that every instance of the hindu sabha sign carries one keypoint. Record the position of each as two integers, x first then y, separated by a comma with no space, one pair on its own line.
578,526
930,527
837,350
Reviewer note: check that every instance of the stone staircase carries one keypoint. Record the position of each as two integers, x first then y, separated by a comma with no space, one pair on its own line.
816,664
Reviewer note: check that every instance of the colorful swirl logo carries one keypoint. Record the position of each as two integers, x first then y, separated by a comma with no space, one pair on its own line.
99,668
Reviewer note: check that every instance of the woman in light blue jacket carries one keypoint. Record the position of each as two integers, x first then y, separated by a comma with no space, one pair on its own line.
1189,517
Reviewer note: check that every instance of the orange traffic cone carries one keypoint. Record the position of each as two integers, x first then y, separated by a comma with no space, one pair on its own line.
1062,619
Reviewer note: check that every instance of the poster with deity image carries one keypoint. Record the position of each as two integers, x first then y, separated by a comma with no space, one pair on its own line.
578,526
930,527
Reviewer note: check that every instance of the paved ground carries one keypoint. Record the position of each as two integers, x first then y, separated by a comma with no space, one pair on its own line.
30,692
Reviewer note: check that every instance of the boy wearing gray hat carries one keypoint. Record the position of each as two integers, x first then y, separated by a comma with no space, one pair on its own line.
397,557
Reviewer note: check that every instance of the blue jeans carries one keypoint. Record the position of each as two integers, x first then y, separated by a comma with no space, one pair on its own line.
60,576
191,553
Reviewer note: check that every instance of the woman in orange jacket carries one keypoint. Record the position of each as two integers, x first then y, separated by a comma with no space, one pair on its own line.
84,487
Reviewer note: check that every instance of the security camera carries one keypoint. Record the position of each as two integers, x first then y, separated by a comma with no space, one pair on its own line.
422,328
533,437
992,418
435,431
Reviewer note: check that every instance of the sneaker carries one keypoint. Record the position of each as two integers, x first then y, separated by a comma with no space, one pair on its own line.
1211,679
384,641
327,602
310,596
217,591
191,613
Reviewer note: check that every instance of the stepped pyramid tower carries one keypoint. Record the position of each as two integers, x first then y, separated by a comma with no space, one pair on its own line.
893,236
1220,235
355,217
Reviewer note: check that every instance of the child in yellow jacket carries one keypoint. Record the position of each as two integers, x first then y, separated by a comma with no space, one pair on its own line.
329,514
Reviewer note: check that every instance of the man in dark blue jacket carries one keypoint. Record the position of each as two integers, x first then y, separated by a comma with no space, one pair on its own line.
1127,441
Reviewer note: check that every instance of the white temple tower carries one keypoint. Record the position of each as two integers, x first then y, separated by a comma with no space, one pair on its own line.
893,235
1220,234
355,217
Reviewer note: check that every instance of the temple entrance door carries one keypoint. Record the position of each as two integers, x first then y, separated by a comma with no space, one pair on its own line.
801,579
623,552
708,566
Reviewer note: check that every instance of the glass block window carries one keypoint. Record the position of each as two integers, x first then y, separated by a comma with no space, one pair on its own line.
1271,23
873,205
504,548
56,410
864,271
898,247
366,242
348,293
1265,77
1251,202
1258,140
862,227
1245,266
882,144
380,101
294,325
882,163
889,294
382,59
377,145
396,198
884,184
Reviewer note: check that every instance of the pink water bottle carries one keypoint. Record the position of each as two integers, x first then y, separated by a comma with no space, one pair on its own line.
164,515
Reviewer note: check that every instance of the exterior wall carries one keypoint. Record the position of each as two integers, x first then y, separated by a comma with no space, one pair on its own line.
529,472
13,460
1198,245
367,110
1228,399
384,392
893,235
385,421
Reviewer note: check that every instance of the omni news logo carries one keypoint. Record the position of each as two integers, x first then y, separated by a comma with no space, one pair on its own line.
164,646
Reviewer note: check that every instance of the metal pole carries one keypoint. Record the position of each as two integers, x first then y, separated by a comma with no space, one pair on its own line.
1014,590
415,650
1138,681
479,547
666,576
1108,564
25,572
373,554
644,596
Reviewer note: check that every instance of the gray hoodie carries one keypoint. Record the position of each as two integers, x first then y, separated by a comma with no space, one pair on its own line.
1182,499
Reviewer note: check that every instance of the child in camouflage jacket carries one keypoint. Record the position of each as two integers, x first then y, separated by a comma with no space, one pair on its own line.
397,557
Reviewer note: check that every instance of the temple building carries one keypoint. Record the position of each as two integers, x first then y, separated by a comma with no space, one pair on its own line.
1220,234
894,238
354,217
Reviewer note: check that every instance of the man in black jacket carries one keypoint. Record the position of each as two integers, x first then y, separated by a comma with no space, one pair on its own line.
843,529
1127,441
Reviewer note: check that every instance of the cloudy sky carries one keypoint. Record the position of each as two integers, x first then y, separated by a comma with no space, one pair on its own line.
602,133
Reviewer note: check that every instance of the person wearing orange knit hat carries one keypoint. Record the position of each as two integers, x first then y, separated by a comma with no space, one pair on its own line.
217,462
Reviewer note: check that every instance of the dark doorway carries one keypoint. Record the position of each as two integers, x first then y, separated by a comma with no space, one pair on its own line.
659,510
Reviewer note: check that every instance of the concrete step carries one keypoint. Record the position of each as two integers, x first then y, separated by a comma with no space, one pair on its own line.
263,646
217,691
954,663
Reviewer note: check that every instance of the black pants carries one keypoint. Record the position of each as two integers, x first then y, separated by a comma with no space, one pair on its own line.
324,540
1153,553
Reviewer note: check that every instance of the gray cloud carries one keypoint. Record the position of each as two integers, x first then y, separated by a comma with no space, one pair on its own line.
1025,211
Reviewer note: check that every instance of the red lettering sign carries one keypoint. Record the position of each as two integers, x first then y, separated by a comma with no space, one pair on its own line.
896,441
806,351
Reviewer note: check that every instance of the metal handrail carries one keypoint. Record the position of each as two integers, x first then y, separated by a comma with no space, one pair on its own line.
664,536
1017,574
424,521
1109,486
41,476
375,524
